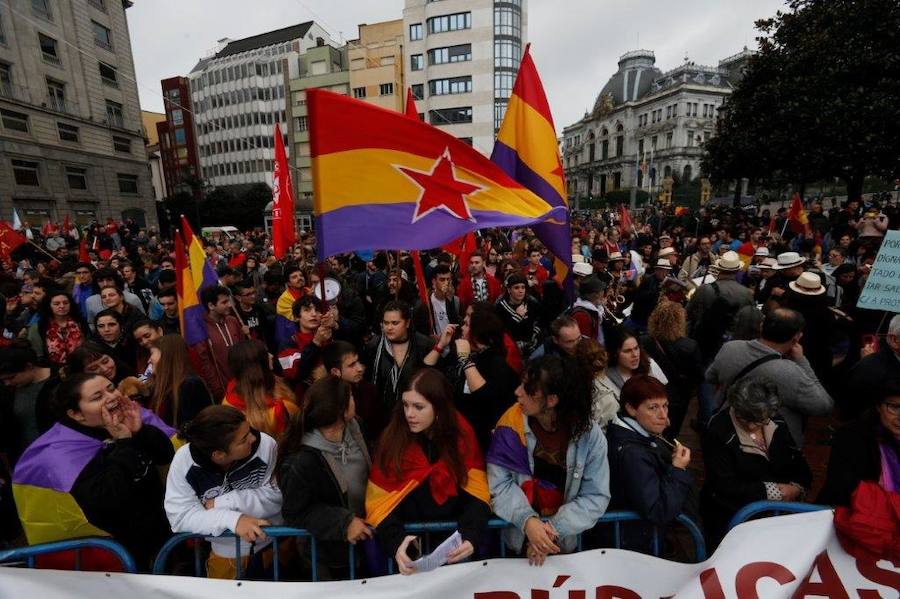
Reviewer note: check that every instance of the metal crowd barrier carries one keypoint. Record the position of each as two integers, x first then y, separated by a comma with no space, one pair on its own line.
615,519
27,555
773,508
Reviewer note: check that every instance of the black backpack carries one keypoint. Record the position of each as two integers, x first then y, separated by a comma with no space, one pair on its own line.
716,325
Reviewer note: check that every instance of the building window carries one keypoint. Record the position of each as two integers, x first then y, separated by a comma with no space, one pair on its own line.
669,136
604,149
641,147
386,89
453,85
690,139
454,22
25,173
503,84
507,54
450,116
109,75
620,145
114,115
177,117
98,4
42,9
180,137
128,183
415,32
14,121
122,144
359,92
465,140
669,112
2,35
461,53
76,178
418,91
56,95
300,123
48,49
67,132
102,35
416,62
507,21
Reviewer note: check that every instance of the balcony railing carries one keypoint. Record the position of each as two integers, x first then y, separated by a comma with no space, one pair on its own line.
15,92
60,105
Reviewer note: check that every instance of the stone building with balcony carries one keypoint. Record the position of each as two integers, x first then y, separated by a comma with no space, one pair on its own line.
647,125
71,138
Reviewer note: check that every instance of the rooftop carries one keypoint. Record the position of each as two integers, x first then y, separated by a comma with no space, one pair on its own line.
262,40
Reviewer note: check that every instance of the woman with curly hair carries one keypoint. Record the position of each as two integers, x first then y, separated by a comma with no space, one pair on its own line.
548,460
667,343
592,360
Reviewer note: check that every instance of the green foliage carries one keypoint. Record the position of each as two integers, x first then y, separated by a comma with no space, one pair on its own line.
240,206
821,98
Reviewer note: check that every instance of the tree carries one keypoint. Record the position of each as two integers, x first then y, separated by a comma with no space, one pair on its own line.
820,99
240,206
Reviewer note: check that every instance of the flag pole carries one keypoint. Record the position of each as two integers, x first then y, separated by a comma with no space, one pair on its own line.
40,249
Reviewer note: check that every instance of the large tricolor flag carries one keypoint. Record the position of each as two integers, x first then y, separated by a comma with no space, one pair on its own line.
204,275
528,151
190,312
797,217
384,180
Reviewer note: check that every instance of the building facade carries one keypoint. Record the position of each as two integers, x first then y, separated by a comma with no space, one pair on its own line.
151,146
71,138
647,125
323,67
461,59
376,64
238,94
177,133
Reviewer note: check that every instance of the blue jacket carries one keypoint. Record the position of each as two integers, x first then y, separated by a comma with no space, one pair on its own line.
586,494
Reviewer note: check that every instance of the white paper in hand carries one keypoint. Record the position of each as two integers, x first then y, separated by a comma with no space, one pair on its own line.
438,557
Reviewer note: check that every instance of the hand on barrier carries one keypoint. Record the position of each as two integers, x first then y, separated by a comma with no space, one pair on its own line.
404,564
535,557
358,530
541,536
250,528
460,553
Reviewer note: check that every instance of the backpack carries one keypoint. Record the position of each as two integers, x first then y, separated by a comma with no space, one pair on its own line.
715,328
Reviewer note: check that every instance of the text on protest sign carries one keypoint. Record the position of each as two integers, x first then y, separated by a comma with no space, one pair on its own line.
882,290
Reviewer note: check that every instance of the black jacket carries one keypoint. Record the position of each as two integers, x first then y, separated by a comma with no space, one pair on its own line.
735,478
484,407
121,491
379,364
682,364
643,479
420,319
419,506
855,457
869,377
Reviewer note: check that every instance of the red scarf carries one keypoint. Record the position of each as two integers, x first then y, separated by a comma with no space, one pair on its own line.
279,410
62,340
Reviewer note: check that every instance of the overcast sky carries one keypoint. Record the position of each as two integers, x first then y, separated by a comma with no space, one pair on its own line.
575,43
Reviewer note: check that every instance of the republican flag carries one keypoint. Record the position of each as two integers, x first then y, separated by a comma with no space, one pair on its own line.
9,240
797,217
527,150
625,222
283,233
83,252
384,180
190,312
680,210
203,274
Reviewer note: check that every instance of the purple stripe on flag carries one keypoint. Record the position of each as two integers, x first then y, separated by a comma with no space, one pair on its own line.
194,325
390,227
56,458
508,160
507,451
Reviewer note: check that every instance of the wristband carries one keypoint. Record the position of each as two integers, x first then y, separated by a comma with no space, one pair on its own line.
468,364
462,357
437,348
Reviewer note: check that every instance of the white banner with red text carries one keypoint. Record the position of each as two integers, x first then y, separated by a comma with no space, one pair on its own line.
782,557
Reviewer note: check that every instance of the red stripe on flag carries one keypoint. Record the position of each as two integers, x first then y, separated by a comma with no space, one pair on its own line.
529,89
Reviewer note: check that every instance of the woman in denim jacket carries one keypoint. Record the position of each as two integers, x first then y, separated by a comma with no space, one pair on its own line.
547,460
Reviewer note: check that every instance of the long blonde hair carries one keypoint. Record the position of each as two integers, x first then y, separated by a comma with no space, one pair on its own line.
173,368
256,384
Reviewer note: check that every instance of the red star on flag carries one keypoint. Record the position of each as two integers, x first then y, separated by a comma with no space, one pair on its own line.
441,190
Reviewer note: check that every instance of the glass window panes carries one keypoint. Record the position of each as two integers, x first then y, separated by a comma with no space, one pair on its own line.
415,31
507,54
122,144
453,22
114,115
25,173
449,116
508,21
109,75
76,177
386,89
48,48
460,53
180,137
359,92
453,85
177,117
416,62
128,183
42,8
15,121
67,132
102,35
418,90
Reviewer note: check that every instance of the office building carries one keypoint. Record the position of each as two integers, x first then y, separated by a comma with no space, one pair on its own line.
71,137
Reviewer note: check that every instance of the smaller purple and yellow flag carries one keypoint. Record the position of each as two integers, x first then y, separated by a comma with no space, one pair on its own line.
527,150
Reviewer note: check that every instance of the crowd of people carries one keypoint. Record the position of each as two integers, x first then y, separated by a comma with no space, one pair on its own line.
348,398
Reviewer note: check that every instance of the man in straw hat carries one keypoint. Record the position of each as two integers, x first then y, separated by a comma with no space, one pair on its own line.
788,266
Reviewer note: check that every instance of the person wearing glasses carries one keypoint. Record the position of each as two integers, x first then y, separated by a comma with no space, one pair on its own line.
251,313
84,285
750,455
867,449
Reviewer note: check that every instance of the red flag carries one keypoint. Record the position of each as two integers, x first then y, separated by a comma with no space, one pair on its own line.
83,251
625,223
423,288
10,239
411,110
772,225
797,216
462,248
283,233
66,225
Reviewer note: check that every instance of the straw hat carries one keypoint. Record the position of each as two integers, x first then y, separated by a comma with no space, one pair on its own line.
576,258
663,263
809,283
616,257
582,269
666,252
729,262
767,264
789,260
762,251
